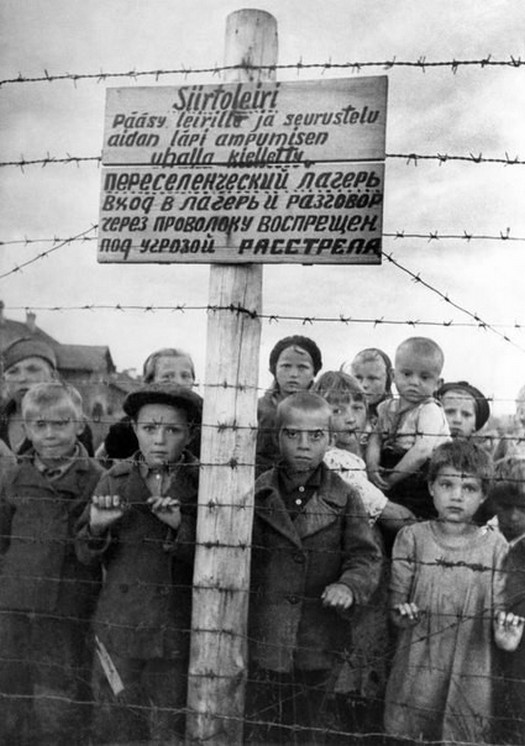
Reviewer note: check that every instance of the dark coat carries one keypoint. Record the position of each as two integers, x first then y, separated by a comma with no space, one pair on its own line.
144,609
293,562
40,571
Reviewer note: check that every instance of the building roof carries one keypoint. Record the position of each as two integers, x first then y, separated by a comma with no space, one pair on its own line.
84,357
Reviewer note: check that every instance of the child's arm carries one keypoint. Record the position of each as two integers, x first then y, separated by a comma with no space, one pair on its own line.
373,459
508,630
104,511
167,510
404,612
430,423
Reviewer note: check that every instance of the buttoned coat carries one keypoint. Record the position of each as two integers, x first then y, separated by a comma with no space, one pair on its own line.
330,541
40,571
144,609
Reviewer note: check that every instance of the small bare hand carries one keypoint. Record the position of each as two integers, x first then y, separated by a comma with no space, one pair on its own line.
508,630
167,509
406,615
338,596
104,510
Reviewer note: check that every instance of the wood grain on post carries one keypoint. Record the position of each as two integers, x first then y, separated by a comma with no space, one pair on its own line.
218,660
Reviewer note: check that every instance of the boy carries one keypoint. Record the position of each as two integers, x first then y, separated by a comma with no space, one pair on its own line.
140,525
46,595
409,428
314,559
508,498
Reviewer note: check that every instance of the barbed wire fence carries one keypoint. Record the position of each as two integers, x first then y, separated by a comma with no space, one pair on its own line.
506,332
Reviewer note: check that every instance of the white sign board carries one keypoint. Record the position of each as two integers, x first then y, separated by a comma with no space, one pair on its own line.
265,172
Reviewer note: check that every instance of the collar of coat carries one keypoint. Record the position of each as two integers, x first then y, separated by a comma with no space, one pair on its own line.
323,508
27,473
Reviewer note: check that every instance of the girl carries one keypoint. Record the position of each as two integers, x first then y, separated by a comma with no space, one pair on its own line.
373,370
294,363
446,596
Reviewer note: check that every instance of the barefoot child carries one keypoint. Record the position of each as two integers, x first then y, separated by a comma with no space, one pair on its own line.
314,559
410,427
140,526
447,598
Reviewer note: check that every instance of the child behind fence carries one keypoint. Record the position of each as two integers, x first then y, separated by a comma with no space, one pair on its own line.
314,560
508,500
46,595
447,598
294,362
140,526
410,427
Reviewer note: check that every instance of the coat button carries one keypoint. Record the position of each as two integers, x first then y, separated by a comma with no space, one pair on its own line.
299,559
165,590
123,588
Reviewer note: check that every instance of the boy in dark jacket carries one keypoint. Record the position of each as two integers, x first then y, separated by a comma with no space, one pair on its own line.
46,595
140,525
314,559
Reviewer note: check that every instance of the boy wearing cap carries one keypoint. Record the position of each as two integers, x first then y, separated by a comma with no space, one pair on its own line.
140,525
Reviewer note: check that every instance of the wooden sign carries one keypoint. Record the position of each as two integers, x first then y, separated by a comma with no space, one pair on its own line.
244,172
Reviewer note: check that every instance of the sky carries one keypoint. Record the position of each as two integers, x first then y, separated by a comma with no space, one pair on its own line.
474,110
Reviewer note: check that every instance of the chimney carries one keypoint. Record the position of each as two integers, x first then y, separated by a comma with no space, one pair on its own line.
31,321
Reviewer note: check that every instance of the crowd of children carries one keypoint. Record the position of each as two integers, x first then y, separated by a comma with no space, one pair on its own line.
387,589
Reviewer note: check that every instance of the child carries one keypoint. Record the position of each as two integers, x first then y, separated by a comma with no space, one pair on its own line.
466,409
513,444
314,559
373,370
363,676
409,428
447,599
294,363
168,365
349,411
140,525
46,595
508,498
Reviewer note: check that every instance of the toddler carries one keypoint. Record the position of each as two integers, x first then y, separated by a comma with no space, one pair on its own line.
140,526
46,594
409,428
294,363
447,598
314,559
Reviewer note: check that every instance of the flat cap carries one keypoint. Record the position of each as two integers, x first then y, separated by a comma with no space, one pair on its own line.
179,397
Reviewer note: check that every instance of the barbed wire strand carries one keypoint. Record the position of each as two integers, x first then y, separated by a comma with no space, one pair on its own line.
410,158
512,62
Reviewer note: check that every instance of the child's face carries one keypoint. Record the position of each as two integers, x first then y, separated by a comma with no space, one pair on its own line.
460,411
372,376
511,518
176,370
348,421
457,496
416,376
294,370
53,431
162,432
20,376
303,439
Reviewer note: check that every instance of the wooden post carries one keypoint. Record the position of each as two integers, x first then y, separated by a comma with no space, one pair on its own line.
218,660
